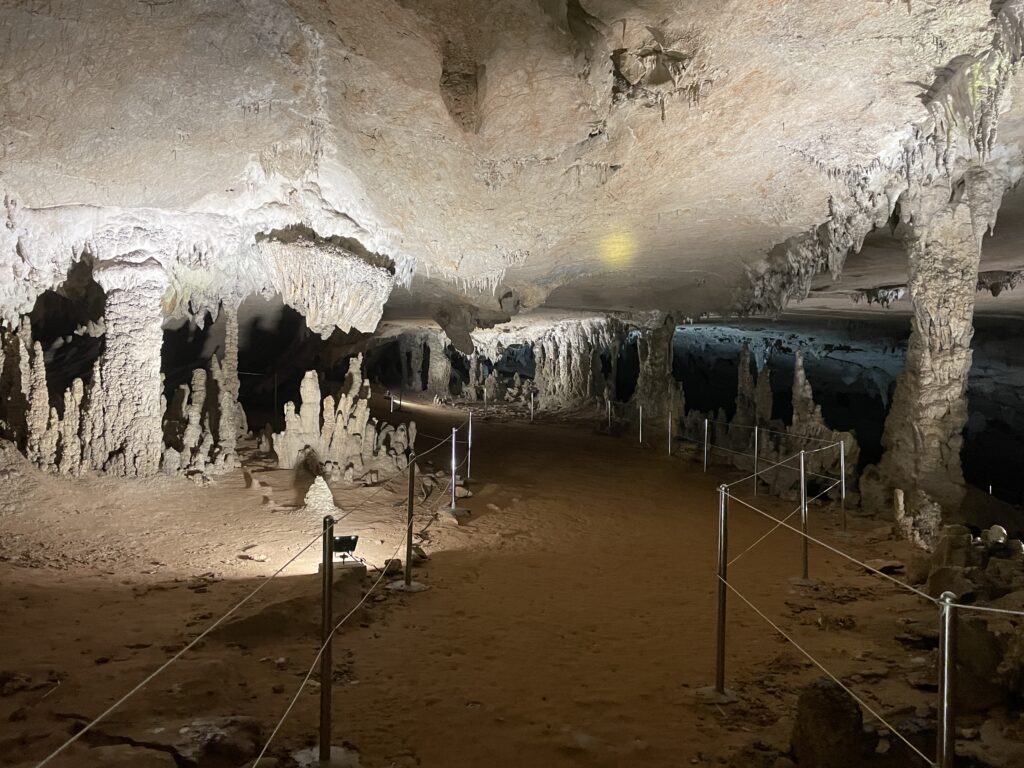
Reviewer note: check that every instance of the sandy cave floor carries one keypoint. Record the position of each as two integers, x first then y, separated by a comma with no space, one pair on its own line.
569,623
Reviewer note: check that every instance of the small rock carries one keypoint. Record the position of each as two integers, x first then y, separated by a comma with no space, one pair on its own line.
950,578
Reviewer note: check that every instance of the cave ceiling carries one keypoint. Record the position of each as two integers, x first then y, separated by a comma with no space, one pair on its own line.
492,157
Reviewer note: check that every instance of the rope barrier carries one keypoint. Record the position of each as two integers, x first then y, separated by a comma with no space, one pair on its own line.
822,667
772,431
330,637
784,520
316,659
113,707
765,469
175,657
829,547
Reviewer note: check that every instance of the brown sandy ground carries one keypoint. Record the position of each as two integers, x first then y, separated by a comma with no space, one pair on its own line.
568,623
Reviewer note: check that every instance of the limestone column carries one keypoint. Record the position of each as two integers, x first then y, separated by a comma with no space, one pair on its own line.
129,382
225,374
655,385
923,431
439,372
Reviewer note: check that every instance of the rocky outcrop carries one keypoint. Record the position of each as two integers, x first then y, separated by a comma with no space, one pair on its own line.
924,429
341,436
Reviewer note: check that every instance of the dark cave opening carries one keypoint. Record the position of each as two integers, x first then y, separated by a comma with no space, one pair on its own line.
66,321
627,372
383,364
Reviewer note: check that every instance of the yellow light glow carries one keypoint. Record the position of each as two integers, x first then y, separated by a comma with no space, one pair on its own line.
617,248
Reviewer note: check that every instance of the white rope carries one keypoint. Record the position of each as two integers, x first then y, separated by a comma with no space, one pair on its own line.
175,657
829,547
219,621
316,659
773,431
820,666
765,469
778,525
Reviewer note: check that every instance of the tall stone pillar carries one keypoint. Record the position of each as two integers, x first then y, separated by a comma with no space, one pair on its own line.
655,387
923,431
439,371
225,376
128,380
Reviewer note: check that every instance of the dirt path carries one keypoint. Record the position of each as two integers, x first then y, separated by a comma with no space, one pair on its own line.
568,623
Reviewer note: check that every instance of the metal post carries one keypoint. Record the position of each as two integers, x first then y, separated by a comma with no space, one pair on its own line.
408,532
469,448
723,565
392,403
485,399
755,459
608,403
641,424
670,432
803,511
454,438
842,479
946,747
326,628
531,406
705,445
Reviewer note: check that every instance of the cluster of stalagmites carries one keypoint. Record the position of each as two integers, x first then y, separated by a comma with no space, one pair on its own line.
575,365
101,427
733,440
340,436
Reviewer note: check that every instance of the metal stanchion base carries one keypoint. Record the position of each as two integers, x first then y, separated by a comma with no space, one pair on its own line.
801,582
399,586
711,695
340,758
455,515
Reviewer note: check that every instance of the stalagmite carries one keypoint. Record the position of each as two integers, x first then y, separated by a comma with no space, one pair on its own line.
342,436
37,446
225,376
439,371
126,392
15,352
923,431
655,387
69,445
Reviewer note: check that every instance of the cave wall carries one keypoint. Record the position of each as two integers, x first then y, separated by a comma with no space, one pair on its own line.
853,367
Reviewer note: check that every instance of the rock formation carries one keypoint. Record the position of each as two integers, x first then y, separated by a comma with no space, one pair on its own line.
342,437
923,432
776,440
